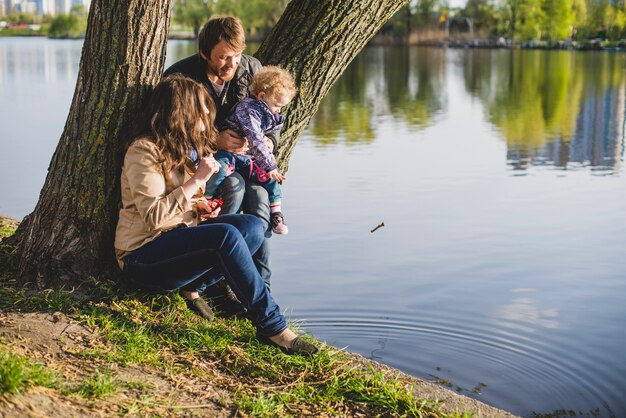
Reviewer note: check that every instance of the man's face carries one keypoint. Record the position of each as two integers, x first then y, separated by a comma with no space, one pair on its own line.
223,61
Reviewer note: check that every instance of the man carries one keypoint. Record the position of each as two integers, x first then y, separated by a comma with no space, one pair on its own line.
225,71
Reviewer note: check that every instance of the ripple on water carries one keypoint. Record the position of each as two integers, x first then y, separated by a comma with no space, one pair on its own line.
507,358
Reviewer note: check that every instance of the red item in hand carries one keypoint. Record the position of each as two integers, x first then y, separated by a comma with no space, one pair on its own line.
216,203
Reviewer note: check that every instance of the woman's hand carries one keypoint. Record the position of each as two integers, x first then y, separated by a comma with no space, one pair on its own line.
207,167
276,176
228,140
209,208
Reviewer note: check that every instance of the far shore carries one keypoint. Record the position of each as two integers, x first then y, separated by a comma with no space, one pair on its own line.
461,42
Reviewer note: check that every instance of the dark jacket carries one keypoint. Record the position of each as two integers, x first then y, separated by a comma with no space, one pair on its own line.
195,67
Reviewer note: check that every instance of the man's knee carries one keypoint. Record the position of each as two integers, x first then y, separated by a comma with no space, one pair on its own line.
257,201
233,184
232,191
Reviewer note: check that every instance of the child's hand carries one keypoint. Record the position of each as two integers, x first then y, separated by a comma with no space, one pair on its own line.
276,176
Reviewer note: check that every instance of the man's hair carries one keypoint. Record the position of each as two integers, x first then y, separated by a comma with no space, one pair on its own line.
272,81
227,28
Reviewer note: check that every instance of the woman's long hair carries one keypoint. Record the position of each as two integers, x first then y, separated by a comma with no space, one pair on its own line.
180,117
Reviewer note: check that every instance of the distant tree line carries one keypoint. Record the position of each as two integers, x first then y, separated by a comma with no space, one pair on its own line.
71,25
258,16
518,20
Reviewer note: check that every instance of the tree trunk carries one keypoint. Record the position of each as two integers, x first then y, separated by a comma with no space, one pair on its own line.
315,41
69,236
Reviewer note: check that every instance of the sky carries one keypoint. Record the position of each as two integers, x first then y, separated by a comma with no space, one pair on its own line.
457,3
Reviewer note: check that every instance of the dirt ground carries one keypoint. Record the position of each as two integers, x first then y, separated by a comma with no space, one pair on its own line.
57,341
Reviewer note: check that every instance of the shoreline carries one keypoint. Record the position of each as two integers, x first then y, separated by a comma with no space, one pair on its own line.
422,389
582,46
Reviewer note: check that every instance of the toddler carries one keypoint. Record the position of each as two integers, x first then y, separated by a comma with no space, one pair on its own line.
271,89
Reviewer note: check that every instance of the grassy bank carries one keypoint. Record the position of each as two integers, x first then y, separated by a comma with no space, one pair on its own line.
136,354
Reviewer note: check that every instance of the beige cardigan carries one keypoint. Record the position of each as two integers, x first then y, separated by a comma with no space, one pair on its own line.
152,201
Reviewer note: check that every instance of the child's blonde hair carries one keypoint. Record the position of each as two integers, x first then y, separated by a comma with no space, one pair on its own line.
272,81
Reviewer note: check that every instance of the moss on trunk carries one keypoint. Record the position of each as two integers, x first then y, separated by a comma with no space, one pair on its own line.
69,235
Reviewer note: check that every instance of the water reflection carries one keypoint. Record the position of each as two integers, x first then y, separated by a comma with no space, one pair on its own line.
179,49
346,112
557,109
50,61
524,314
415,80
405,83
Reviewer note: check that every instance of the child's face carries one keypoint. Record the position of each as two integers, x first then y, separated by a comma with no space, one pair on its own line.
275,102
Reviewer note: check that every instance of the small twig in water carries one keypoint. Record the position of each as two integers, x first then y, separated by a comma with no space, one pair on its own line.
378,226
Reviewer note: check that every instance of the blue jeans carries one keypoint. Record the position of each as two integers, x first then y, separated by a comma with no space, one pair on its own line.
252,198
196,257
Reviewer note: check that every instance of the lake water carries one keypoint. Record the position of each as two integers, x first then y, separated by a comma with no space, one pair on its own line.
500,270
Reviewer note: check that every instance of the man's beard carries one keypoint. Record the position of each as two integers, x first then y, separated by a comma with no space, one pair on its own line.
221,74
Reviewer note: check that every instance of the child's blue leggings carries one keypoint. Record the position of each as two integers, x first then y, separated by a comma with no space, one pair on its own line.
249,170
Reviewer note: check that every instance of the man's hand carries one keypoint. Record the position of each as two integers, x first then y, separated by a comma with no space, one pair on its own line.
276,176
229,141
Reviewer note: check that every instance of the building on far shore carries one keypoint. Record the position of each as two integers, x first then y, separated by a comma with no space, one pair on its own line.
40,7
20,6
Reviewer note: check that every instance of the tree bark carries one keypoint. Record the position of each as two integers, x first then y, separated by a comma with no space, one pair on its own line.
316,40
69,236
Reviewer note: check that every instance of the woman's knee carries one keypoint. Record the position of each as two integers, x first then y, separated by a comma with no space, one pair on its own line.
250,228
226,233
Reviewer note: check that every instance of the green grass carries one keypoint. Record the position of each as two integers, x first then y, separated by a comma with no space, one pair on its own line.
6,229
158,331
17,373
21,32
98,385
8,255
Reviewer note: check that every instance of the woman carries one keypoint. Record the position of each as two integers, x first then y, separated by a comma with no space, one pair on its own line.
167,235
